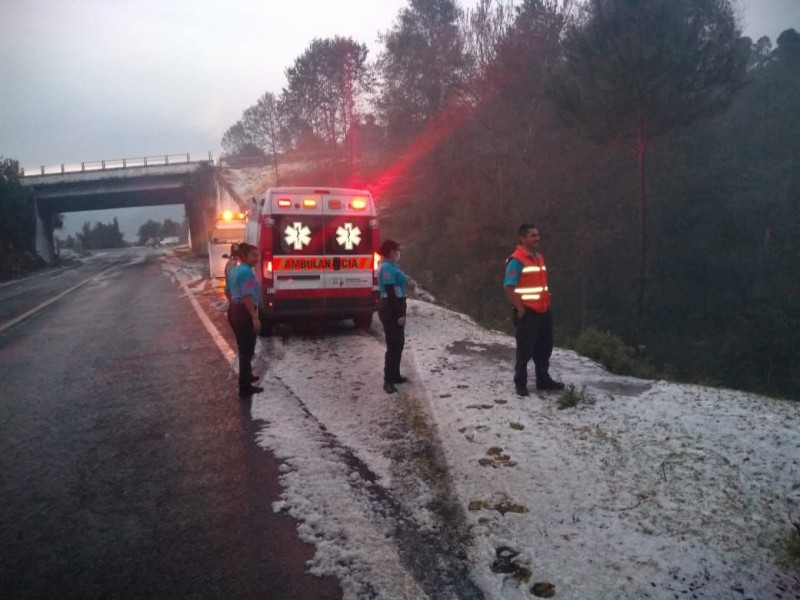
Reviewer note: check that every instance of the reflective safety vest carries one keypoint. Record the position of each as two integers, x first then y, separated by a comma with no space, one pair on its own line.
532,285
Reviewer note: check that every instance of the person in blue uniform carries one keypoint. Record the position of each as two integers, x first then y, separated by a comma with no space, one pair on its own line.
243,289
233,260
392,313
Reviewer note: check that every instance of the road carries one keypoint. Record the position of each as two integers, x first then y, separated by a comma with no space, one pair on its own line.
129,468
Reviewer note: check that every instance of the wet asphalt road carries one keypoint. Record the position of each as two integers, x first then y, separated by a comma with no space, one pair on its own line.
128,466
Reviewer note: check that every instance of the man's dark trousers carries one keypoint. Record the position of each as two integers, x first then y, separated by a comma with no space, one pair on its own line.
395,340
242,324
534,333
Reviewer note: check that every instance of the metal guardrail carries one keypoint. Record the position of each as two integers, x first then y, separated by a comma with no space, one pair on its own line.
115,163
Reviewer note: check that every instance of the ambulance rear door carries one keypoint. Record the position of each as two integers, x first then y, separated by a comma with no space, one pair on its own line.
298,252
350,243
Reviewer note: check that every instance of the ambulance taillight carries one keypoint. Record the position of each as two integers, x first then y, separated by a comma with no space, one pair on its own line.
267,265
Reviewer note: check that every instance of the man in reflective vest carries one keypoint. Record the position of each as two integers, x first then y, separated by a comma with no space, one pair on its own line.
526,288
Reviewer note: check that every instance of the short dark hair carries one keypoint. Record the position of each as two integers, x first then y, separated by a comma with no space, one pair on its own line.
525,228
388,246
245,249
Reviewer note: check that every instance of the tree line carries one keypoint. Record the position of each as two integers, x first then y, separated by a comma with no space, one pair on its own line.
17,223
656,148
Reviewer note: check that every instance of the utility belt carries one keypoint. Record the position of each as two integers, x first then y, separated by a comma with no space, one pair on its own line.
528,312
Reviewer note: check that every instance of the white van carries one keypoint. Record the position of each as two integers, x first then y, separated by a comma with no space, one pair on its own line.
318,254
228,229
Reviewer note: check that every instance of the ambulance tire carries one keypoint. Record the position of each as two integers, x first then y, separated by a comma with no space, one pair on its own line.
266,325
363,321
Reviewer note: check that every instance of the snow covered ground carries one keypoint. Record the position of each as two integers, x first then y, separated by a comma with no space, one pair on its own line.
457,488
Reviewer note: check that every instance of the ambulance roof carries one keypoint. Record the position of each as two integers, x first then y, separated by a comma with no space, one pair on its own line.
318,190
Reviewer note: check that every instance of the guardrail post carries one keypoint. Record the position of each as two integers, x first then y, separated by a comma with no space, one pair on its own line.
42,169
145,161
124,163
103,165
187,158
62,168
83,166
166,159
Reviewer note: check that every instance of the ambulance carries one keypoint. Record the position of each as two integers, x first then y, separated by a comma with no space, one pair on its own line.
228,229
318,254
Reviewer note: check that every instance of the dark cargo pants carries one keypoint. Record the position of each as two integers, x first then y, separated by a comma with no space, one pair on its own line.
395,341
242,325
534,333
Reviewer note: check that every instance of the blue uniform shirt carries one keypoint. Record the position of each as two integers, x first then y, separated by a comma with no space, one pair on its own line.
242,282
514,270
390,274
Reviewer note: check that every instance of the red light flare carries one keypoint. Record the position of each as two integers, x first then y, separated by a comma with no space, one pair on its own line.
434,132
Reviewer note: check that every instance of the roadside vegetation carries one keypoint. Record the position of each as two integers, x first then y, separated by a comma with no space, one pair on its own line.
17,224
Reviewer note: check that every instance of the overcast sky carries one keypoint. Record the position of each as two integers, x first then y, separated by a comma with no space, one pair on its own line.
103,79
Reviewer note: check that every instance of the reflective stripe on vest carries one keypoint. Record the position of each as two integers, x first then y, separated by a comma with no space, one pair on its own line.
532,285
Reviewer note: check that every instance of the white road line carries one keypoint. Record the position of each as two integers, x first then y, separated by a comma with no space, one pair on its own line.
220,341
46,303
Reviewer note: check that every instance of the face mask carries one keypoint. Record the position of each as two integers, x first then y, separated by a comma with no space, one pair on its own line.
398,255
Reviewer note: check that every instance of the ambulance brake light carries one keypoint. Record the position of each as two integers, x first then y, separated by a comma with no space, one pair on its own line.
227,215
376,259
309,203
267,265
336,204
359,203
284,202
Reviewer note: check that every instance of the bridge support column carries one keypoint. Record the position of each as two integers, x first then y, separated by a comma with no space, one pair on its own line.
45,245
199,223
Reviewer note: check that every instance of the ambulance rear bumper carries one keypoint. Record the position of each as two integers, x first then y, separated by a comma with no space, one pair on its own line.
279,309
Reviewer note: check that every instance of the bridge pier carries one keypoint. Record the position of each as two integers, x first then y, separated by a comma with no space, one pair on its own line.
45,243
200,220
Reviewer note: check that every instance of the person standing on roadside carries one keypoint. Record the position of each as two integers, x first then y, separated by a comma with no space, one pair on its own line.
233,260
243,315
526,288
392,313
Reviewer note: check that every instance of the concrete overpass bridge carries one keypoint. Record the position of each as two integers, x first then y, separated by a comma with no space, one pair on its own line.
128,183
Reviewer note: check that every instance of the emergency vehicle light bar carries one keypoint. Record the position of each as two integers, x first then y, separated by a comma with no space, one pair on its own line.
359,203
309,203
284,202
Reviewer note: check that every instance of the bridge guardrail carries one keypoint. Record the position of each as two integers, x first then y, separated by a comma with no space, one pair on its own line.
115,163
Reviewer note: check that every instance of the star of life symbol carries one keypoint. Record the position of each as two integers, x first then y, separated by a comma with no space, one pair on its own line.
348,236
297,235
